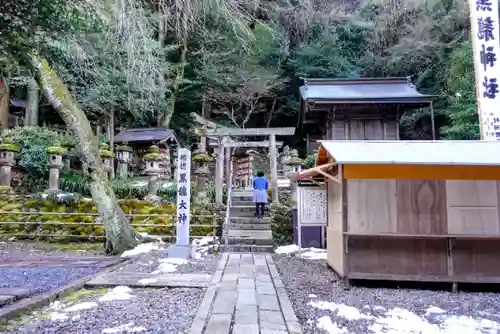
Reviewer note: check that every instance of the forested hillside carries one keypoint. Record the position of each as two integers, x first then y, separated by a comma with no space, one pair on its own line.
239,61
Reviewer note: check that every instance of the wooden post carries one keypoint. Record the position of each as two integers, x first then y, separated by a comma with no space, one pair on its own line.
219,175
228,164
274,167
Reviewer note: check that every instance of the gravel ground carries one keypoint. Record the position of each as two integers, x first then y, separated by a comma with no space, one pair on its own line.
310,283
148,311
17,248
41,279
149,262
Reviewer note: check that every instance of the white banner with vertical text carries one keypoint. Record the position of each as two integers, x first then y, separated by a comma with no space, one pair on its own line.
486,38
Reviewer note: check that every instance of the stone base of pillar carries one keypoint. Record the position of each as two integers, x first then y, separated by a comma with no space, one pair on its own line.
153,198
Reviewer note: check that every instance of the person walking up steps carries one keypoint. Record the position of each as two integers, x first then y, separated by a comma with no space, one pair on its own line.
260,186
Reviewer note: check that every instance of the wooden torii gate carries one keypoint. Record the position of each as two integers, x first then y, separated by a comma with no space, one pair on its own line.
271,133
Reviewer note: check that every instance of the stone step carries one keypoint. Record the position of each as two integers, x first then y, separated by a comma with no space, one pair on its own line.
245,208
250,220
242,203
247,248
251,213
242,198
250,237
263,226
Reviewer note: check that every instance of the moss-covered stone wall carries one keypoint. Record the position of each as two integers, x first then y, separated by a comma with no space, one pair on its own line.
76,214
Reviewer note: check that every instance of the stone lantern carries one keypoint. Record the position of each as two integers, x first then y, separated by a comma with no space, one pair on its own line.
201,158
123,154
55,164
67,144
153,170
294,162
7,160
107,158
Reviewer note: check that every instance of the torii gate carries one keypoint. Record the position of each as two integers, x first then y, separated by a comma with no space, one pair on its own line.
219,177
272,144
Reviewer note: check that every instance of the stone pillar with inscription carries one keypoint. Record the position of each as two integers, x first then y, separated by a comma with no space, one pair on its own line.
123,156
153,170
7,152
183,197
107,158
55,163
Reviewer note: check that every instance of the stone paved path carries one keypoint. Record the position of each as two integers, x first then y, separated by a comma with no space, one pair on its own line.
245,296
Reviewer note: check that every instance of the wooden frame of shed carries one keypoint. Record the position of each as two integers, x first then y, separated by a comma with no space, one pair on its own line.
417,211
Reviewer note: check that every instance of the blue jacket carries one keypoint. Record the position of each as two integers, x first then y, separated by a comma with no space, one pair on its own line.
260,183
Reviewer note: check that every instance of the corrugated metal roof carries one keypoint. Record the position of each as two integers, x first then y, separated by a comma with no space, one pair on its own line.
362,89
144,135
445,152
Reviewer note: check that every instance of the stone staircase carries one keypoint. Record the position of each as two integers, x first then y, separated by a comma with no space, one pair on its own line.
247,233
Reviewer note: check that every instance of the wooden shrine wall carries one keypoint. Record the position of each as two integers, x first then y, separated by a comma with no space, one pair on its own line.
358,129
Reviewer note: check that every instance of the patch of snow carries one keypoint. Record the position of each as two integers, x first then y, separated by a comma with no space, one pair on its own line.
141,249
127,328
157,238
56,305
312,295
57,316
288,249
81,307
348,312
164,268
146,281
174,260
314,254
118,293
325,323
434,310
378,308
204,241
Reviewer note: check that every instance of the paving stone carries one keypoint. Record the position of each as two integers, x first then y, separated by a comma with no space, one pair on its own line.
272,331
246,297
259,260
263,277
265,288
246,315
6,299
271,316
165,280
227,285
268,302
286,305
246,283
218,324
294,327
246,329
273,326
224,302
229,277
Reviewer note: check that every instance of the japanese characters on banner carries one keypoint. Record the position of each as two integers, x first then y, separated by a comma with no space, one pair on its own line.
183,196
486,37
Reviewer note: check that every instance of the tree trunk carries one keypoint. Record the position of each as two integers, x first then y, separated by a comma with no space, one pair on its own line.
31,116
4,104
120,236
166,117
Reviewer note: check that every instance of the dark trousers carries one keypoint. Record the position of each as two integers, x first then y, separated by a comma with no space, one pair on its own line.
259,209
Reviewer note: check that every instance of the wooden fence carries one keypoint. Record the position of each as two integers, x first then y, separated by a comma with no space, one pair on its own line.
39,225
